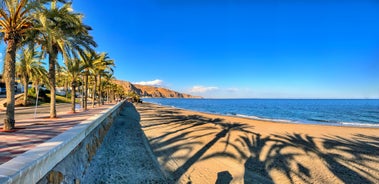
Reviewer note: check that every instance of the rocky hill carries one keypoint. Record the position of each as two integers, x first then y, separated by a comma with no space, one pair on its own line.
152,91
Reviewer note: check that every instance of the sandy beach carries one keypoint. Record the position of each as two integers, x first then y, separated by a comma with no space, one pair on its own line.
194,147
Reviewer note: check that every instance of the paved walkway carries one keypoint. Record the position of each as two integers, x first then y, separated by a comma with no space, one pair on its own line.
32,131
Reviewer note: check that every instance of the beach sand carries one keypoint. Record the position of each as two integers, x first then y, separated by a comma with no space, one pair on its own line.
194,147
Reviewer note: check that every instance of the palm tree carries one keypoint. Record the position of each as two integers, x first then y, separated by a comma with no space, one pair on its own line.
119,92
61,31
103,64
62,77
15,22
38,78
112,91
29,65
106,72
87,58
74,68
107,84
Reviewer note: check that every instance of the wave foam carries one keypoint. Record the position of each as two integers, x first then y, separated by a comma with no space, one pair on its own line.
359,124
265,119
314,122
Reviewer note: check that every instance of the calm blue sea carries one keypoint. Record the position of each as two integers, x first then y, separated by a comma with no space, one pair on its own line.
308,111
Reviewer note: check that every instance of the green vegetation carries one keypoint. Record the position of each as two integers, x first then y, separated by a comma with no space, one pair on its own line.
29,67
44,97
42,94
61,99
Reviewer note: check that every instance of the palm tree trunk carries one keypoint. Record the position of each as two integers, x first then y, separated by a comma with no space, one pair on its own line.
82,92
52,61
73,96
108,95
94,92
26,81
99,91
66,87
113,95
86,91
9,76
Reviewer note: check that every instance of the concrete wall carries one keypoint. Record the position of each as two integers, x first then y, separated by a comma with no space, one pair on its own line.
64,158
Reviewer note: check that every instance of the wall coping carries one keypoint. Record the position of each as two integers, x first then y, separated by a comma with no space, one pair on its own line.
34,164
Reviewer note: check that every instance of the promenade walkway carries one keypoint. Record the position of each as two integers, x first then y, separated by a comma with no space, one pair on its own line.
31,131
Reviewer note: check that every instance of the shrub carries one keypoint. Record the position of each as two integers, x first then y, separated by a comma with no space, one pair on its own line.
32,92
41,95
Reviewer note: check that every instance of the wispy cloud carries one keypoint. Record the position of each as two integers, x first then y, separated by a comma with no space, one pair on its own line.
156,82
202,89
222,92
232,90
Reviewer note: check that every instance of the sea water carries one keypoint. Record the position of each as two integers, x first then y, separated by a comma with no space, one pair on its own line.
340,112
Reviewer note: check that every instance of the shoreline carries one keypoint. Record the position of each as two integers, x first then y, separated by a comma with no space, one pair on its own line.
336,124
203,148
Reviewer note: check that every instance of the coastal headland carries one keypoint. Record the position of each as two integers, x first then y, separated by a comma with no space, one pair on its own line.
195,147
152,91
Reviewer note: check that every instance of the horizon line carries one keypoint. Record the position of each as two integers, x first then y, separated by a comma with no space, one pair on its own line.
231,98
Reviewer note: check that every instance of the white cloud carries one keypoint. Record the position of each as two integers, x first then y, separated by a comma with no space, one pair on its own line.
156,82
202,89
232,90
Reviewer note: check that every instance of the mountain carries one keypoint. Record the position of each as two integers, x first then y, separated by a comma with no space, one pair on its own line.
152,91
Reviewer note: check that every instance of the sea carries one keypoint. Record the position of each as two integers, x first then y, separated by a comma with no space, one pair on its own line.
336,112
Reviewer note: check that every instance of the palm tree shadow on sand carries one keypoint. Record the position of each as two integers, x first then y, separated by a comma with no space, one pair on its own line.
226,129
181,132
343,157
268,154
360,150
261,155
257,165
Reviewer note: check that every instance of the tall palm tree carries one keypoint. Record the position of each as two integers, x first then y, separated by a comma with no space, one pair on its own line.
61,31
38,78
111,89
15,22
87,58
119,92
102,64
106,72
107,84
29,65
74,68
62,76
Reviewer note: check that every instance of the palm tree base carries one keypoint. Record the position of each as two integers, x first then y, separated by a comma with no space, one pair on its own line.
8,125
7,131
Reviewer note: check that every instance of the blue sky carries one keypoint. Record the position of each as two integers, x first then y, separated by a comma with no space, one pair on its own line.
242,48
